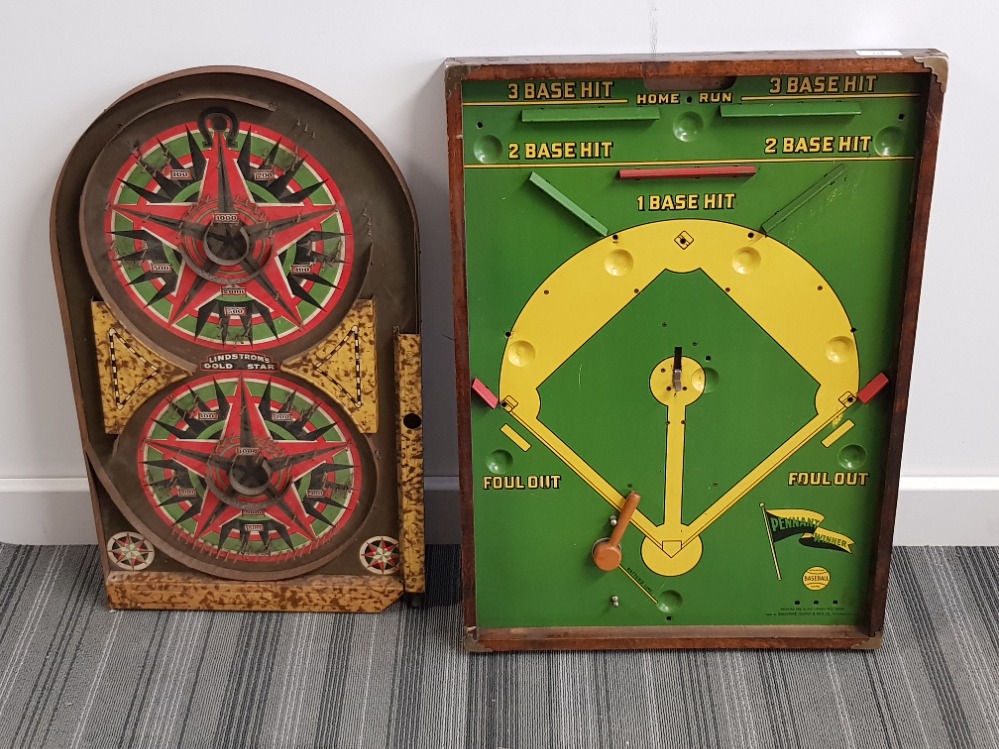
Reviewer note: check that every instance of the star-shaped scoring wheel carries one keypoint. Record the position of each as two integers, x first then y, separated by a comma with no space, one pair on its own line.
230,243
250,478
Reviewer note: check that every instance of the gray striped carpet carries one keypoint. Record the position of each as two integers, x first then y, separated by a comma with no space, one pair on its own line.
73,674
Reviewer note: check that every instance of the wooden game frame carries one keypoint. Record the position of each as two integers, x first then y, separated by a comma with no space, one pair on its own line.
930,63
181,587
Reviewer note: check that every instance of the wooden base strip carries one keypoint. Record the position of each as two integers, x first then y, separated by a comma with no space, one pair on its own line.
641,638
192,592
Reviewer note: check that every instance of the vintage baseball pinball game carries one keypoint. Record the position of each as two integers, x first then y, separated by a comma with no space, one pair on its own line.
685,305
236,258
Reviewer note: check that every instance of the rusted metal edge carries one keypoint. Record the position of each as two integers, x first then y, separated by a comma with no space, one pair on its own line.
938,64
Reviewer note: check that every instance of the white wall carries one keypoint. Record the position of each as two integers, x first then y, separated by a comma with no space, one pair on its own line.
63,62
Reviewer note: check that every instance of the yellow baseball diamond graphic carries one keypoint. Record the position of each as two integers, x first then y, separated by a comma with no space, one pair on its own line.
771,283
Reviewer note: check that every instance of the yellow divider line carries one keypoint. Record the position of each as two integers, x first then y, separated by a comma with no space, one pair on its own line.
640,586
541,103
675,438
754,477
582,469
515,438
695,162
845,427
792,97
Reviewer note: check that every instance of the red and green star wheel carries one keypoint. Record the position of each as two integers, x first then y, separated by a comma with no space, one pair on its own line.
245,475
221,223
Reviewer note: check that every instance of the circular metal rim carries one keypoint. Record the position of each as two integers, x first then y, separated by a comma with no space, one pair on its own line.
126,484
387,186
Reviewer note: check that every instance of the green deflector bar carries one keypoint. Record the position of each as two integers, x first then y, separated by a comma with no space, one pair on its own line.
566,202
792,109
785,213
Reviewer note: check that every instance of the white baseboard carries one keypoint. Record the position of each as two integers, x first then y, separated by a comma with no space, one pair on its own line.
932,511
948,511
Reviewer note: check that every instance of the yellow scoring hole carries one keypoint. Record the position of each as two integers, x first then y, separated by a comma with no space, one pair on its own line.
619,262
816,578
839,350
746,260
520,353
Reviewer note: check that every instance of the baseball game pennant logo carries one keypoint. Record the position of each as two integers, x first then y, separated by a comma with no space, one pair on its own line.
806,524
786,523
820,538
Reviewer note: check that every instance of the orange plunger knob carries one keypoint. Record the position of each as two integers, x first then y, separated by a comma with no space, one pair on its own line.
607,551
